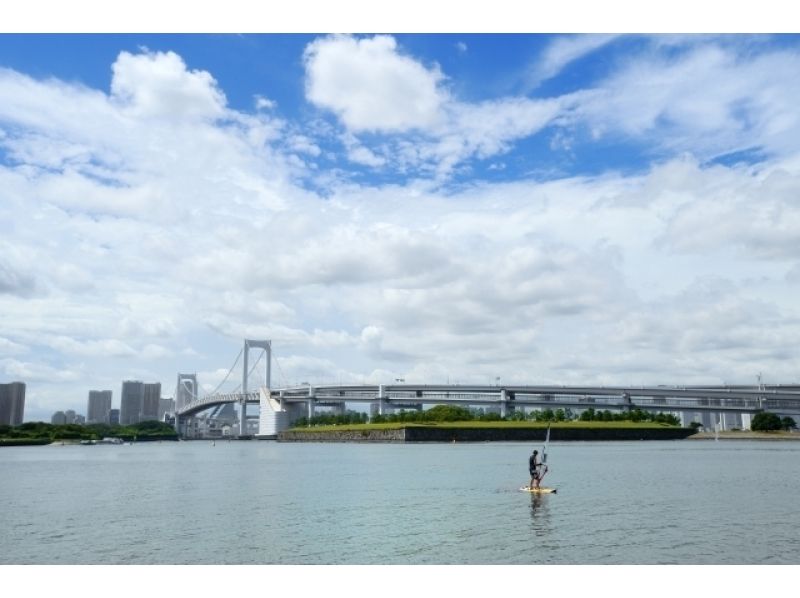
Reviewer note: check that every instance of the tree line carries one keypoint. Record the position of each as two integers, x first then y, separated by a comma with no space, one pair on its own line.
769,422
146,430
451,413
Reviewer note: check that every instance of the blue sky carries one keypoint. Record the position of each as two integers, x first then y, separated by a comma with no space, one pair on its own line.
585,208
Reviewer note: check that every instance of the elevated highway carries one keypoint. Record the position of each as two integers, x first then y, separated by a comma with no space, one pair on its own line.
657,398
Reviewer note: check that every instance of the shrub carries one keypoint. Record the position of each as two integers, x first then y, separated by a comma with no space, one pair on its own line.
766,422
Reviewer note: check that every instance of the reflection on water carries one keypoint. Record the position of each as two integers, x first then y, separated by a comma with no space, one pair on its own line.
540,516
684,502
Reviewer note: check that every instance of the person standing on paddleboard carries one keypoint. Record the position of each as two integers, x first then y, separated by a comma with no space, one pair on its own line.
534,467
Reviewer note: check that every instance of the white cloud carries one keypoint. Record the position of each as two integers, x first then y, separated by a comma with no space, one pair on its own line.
708,99
13,281
563,51
9,347
139,246
263,103
371,86
33,372
158,85
92,348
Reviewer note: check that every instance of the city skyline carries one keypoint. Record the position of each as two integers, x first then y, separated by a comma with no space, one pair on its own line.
605,209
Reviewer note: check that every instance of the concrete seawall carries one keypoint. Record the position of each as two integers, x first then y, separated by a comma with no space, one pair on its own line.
439,434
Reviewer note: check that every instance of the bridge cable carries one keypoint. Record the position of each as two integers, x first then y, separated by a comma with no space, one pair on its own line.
252,369
225,379
277,363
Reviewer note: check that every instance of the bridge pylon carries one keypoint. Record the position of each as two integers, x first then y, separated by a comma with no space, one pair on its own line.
253,344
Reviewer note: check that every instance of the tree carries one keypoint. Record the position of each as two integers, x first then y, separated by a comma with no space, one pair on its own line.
447,413
788,423
766,422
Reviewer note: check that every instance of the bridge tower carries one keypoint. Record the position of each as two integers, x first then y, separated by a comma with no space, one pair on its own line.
186,391
253,344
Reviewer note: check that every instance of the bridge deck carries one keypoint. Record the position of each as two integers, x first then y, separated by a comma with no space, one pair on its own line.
782,399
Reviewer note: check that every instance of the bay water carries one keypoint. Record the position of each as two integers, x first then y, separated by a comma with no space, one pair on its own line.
260,502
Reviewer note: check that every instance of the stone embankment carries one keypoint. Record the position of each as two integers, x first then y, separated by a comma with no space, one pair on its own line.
442,434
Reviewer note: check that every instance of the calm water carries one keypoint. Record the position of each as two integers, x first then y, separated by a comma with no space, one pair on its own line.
682,502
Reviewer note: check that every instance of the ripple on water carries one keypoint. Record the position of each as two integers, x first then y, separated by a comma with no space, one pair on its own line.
270,503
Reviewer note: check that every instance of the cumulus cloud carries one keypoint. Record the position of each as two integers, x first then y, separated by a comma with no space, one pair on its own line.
685,93
158,85
370,85
135,241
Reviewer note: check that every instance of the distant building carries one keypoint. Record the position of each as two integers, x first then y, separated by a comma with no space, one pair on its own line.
113,417
58,419
131,401
150,402
98,407
12,403
79,419
70,416
165,407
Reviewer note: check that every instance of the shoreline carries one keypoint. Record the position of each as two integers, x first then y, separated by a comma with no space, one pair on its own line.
743,435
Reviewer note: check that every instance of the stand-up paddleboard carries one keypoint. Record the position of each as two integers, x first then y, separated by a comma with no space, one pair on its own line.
540,490
543,470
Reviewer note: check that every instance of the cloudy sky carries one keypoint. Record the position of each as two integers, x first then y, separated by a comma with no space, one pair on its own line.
569,209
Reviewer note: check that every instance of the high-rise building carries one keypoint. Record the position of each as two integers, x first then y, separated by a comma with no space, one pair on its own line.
165,406
150,401
58,419
131,401
12,403
99,406
113,417
69,414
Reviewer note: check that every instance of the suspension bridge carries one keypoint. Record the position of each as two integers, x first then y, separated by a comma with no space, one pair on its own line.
279,407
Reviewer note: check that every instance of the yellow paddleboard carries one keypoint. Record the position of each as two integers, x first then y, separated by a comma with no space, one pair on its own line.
540,490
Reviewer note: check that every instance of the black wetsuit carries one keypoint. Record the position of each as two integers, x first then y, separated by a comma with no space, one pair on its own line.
533,467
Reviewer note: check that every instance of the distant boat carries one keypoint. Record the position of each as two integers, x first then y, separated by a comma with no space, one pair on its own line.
108,440
88,442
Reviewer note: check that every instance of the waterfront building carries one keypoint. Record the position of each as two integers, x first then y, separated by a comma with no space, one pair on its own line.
113,417
58,419
69,414
131,400
12,403
165,407
151,399
98,407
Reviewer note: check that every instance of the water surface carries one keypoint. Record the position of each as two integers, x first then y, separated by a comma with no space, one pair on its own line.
678,502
